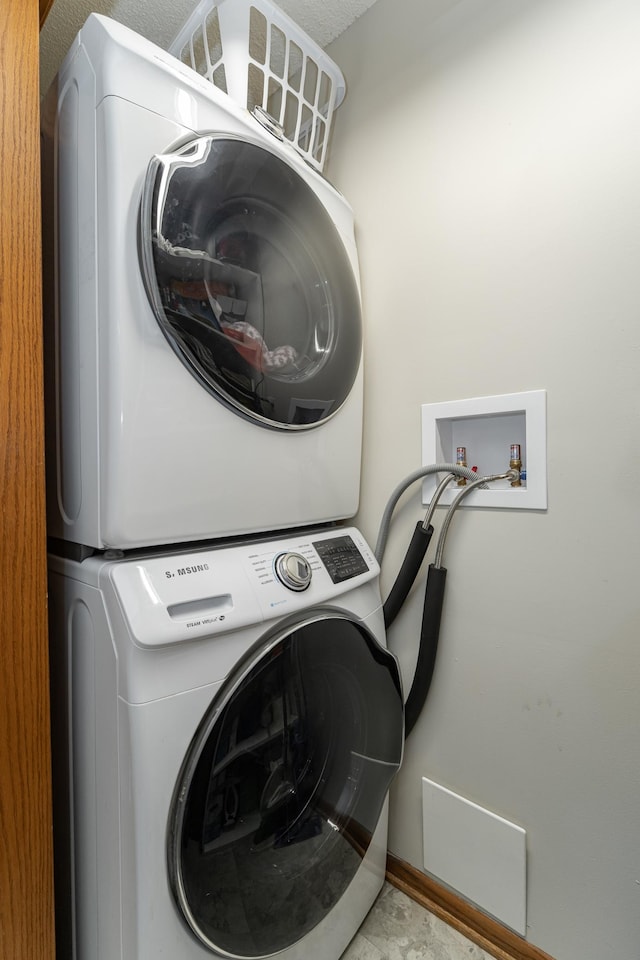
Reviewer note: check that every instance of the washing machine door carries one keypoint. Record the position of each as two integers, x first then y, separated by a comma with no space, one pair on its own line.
283,786
250,281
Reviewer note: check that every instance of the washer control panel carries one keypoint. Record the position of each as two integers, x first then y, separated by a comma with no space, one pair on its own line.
175,596
293,571
341,558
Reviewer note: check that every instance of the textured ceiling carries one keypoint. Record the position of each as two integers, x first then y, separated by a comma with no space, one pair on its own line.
160,20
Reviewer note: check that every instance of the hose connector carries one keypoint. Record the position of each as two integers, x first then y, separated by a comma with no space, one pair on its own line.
513,474
456,503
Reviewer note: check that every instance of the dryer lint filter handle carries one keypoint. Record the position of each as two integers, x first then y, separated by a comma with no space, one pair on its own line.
171,599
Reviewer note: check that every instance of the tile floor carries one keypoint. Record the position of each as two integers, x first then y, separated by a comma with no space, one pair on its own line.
397,928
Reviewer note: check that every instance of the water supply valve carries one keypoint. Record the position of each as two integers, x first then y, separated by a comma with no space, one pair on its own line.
515,463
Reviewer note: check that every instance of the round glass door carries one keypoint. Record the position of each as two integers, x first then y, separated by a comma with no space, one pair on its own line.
250,281
283,786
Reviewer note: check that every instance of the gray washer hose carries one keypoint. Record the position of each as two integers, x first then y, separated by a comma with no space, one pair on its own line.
418,474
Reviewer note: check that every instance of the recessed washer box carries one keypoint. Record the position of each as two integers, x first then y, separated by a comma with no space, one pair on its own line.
487,427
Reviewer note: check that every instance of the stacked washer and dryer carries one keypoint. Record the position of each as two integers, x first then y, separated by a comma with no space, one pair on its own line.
226,717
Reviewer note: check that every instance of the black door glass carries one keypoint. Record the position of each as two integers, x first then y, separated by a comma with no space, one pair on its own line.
250,281
283,787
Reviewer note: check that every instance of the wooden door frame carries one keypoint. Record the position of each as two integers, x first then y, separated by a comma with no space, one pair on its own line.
26,844
45,7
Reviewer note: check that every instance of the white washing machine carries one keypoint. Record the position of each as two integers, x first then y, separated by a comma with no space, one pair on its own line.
226,724
202,310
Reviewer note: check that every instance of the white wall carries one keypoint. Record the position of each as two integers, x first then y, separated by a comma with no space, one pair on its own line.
491,151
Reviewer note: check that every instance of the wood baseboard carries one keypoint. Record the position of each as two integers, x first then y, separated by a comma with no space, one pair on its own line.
475,925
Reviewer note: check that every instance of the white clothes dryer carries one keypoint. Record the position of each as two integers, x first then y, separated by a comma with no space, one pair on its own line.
203,321
226,724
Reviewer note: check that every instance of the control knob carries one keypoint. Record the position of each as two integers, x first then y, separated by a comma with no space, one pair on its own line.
293,571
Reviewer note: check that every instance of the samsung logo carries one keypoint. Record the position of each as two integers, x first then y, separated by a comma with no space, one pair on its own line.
185,571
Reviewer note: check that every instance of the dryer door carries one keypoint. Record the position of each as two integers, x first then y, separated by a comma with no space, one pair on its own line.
283,786
250,281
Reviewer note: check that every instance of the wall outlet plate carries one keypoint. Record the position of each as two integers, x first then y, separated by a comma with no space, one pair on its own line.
486,427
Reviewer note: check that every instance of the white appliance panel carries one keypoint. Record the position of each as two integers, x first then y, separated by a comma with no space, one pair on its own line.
125,717
139,452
